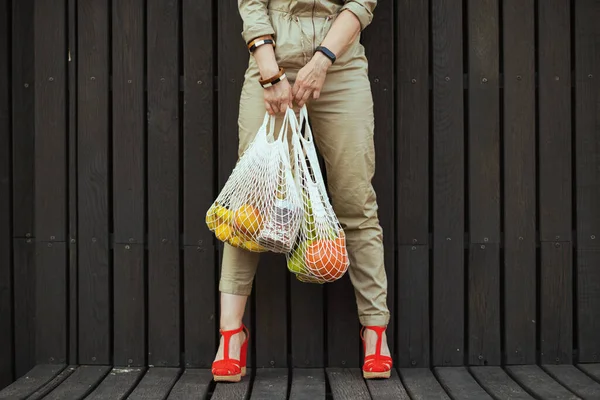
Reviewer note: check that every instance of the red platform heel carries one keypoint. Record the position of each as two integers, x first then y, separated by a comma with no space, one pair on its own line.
376,365
230,369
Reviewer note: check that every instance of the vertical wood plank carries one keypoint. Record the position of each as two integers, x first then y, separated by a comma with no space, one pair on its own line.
587,103
556,317
73,52
163,182
93,182
128,136
412,182
307,324
129,317
199,182
51,303
448,185
412,125
50,178
24,305
484,304
50,120
271,312
232,62
200,311
6,285
413,306
128,174
519,295
343,340
588,306
23,94
554,70
380,54
484,182
484,122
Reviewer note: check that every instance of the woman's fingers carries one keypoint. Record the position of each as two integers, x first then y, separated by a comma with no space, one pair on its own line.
304,97
269,108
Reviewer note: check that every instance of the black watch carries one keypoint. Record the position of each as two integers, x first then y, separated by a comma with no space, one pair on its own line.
328,53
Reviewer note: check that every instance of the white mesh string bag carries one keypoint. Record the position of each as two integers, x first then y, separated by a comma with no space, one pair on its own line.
259,208
319,254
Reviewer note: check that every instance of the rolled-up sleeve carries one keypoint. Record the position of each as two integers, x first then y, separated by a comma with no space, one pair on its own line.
363,9
256,19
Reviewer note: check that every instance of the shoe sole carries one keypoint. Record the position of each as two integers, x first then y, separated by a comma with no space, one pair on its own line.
377,375
230,378
227,378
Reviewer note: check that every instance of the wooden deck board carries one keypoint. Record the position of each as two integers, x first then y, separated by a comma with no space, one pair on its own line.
32,381
460,384
384,389
192,384
226,391
270,383
81,382
421,384
308,384
54,383
498,384
156,384
347,383
574,380
538,383
118,384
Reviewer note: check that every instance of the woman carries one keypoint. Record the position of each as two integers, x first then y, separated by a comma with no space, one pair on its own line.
308,52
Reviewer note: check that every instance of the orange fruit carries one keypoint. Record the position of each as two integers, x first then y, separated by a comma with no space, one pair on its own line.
248,220
327,259
224,232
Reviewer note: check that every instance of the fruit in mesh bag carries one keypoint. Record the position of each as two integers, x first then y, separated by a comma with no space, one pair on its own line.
327,259
236,241
224,232
248,220
218,215
253,246
295,262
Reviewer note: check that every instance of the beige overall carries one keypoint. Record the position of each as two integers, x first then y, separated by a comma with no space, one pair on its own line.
342,122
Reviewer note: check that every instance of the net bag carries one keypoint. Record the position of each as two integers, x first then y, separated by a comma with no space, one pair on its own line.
319,254
259,208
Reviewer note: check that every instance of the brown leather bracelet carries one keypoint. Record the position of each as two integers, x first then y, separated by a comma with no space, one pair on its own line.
265,83
259,41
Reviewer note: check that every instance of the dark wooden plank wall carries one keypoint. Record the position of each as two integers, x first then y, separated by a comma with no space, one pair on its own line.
115,141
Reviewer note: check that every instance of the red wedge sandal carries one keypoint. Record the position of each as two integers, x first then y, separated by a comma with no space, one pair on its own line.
376,365
230,369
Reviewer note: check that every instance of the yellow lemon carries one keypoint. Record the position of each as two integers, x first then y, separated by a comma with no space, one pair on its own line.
223,232
253,246
212,221
236,241
224,214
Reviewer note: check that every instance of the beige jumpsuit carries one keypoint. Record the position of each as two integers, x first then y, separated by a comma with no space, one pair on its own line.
342,122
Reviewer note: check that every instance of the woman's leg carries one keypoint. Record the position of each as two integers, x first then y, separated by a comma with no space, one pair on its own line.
343,122
239,266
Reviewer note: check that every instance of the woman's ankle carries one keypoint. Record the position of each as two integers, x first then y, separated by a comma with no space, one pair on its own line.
230,325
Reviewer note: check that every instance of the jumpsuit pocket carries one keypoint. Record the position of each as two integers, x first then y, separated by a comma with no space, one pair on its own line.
293,49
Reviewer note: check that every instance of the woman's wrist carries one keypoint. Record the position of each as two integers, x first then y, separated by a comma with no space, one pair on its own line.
321,61
266,61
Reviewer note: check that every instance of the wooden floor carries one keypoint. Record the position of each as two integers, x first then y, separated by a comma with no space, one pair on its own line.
514,382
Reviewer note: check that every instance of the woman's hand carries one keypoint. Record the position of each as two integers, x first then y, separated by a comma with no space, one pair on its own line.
310,79
278,97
